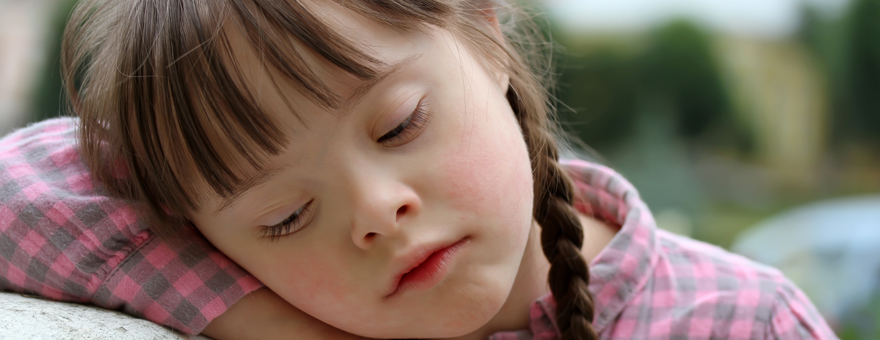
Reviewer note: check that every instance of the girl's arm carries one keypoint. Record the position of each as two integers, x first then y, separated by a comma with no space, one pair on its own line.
63,239
265,315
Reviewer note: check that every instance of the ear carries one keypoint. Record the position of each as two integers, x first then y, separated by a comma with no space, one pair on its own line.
503,79
488,9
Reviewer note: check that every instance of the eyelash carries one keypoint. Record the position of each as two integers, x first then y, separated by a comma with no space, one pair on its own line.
293,223
411,125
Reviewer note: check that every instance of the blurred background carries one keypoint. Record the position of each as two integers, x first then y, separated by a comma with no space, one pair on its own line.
753,125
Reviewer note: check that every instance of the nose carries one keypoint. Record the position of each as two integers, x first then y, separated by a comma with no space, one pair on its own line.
381,207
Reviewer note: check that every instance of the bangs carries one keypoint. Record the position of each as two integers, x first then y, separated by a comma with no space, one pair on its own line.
181,101
211,111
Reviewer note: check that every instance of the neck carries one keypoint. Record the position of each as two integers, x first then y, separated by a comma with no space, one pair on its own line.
531,280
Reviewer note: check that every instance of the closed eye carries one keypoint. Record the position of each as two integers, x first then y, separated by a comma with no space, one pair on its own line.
293,223
408,128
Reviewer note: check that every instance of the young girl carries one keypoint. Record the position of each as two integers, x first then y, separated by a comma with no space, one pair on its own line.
387,169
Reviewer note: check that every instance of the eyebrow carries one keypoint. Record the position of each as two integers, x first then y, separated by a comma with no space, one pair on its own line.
356,97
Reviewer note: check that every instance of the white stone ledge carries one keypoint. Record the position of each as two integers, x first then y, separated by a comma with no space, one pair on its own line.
23,317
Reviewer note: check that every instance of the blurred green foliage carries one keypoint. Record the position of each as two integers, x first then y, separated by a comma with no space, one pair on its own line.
679,68
863,95
848,49
605,89
48,99
863,324
599,95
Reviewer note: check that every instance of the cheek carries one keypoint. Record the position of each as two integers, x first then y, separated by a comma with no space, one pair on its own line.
317,284
314,284
488,172
466,181
313,279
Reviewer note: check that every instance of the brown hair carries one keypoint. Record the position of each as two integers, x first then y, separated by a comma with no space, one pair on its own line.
161,102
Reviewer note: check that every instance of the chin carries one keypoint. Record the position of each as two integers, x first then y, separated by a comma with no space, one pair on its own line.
461,323
463,310
475,309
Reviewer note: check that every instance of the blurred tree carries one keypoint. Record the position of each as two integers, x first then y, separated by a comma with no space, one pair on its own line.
678,69
604,90
811,28
827,43
849,51
862,76
47,99
598,92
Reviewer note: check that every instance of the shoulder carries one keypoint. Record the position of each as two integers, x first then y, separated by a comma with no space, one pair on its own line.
41,168
59,235
737,297
702,260
40,152
49,132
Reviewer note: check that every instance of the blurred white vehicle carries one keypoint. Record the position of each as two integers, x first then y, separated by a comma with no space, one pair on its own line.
831,249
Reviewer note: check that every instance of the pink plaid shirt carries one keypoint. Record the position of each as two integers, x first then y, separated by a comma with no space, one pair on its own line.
652,284
62,238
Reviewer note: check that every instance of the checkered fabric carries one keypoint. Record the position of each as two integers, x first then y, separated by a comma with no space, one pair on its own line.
62,238
651,284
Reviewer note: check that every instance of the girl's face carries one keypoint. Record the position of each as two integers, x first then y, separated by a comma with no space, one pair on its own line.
426,169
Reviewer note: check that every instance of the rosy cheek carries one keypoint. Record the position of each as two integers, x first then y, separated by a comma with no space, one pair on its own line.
462,181
488,174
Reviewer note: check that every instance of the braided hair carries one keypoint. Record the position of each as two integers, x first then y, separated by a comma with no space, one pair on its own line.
562,235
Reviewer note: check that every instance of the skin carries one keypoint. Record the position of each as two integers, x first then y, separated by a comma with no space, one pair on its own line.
463,175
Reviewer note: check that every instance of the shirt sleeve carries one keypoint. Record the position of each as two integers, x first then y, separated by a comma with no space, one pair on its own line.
794,317
183,285
62,239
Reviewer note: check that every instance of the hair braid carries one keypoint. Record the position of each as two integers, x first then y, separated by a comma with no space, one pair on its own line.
562,235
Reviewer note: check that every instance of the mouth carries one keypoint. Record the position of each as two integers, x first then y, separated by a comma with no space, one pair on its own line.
428,267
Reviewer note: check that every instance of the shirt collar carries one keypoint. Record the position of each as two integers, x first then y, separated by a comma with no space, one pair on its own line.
620,270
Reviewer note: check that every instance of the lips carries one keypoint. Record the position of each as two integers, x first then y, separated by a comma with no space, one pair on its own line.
425,267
